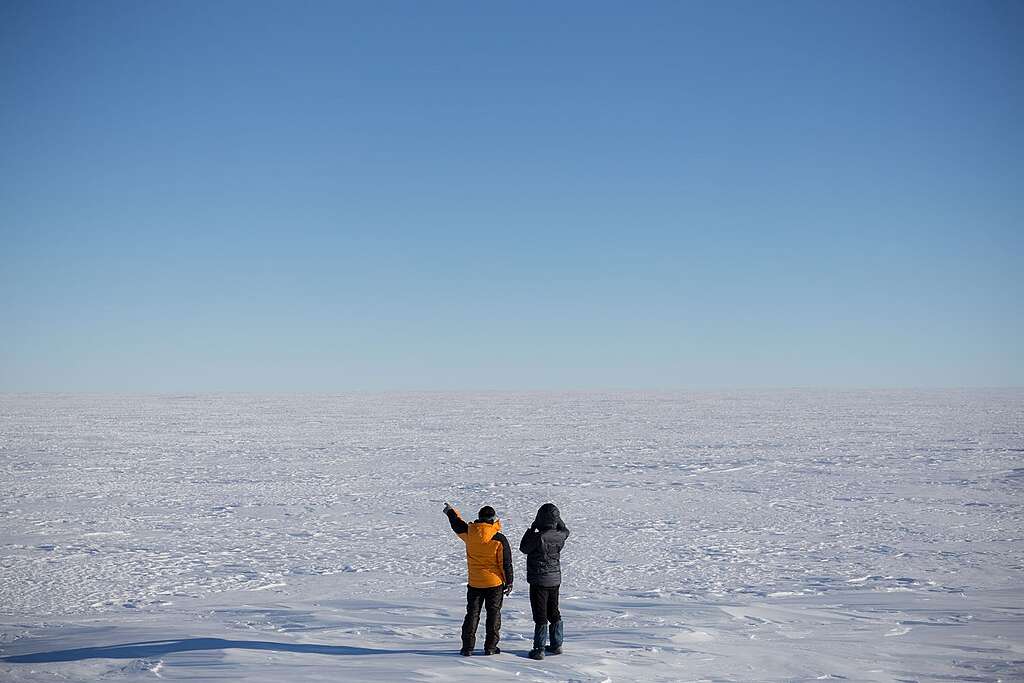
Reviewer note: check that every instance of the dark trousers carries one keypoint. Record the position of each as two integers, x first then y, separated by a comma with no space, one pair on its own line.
544,603
491,598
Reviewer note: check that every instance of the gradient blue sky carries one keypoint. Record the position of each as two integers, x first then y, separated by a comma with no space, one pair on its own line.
205,196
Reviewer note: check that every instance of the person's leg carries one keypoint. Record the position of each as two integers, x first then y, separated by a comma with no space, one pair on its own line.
555,631
539,606
553,614
474,600
493,604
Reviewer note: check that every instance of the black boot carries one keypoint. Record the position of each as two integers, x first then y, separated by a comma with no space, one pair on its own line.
556,633
539,633
468,643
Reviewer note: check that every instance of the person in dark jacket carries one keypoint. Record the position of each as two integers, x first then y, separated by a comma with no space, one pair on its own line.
489,560
543,547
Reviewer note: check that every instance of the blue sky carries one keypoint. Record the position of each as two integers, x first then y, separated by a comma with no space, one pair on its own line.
238,196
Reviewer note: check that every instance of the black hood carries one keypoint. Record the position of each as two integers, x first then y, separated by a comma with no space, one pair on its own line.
548,517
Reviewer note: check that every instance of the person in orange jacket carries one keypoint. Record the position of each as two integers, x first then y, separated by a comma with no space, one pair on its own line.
489,559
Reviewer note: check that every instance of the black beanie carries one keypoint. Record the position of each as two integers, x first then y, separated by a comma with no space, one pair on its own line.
486,514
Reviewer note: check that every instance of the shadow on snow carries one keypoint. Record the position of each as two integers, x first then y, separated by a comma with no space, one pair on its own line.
156,648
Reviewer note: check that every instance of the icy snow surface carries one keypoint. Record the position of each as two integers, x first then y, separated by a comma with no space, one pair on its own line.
756,536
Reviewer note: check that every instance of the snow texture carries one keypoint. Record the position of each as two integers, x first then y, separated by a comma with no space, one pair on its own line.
744,536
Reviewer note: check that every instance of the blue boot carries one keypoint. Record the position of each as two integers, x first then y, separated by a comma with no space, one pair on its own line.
557,633
539,633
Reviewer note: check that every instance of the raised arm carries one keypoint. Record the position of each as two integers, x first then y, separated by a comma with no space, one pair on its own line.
458,525
530,540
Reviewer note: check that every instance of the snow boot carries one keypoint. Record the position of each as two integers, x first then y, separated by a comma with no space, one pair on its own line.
492,651
539,633
556,632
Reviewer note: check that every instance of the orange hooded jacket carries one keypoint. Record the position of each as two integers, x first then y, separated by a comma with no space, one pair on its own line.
488,555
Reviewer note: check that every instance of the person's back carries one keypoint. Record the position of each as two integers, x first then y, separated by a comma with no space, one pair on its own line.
543,547
485,553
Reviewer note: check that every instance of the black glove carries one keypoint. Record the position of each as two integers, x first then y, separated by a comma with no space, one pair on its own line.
508,588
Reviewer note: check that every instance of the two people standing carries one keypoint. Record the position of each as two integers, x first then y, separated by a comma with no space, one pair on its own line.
489,561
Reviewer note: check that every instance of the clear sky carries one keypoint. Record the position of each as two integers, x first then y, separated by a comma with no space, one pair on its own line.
206,196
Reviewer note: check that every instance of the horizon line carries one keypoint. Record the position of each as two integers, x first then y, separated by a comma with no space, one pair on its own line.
566,390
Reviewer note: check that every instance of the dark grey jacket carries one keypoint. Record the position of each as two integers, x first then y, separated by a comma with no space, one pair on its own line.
543,547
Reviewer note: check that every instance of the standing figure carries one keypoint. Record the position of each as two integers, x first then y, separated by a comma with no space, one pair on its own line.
489,558
543,547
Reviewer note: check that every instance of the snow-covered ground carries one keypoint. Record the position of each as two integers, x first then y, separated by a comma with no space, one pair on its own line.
756,536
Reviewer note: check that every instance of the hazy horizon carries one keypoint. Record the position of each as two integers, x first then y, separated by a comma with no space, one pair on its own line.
697,390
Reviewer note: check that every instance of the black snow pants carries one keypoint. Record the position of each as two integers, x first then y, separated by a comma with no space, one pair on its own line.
491,598
544,603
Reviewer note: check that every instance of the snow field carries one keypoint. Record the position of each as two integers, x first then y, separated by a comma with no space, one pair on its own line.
786,535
